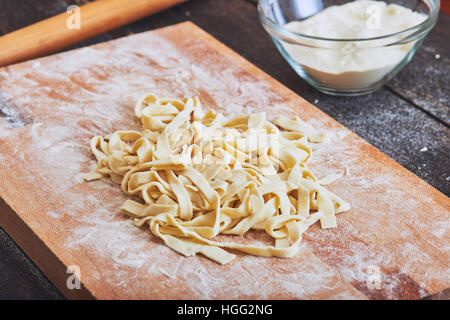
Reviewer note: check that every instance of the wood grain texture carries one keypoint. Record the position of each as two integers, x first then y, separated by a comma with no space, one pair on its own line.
235,22
397,222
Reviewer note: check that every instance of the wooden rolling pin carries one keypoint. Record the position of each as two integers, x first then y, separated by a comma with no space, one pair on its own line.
61,31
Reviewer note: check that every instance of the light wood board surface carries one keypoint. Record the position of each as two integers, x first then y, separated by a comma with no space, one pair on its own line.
397,231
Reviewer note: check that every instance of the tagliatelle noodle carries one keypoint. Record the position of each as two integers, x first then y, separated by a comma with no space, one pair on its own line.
200,174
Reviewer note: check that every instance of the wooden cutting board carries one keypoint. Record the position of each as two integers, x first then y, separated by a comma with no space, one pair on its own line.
394,243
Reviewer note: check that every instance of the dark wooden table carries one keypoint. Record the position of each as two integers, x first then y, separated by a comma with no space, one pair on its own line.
409,113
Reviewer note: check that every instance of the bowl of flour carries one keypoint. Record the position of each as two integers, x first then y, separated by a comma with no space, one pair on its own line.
348,47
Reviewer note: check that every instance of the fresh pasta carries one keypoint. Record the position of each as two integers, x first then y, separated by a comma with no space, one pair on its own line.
196,175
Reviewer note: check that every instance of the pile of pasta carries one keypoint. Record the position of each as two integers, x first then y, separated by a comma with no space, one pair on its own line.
194,175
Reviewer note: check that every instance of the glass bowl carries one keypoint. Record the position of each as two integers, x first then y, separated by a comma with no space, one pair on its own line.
339,65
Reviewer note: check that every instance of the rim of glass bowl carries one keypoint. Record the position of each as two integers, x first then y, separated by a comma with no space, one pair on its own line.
415,30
